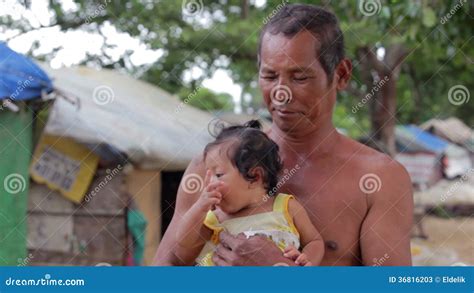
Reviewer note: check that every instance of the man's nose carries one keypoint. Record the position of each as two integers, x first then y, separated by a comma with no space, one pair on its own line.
282,93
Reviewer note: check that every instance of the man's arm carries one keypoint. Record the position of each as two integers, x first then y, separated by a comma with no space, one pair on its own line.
184,200
386,230
254,251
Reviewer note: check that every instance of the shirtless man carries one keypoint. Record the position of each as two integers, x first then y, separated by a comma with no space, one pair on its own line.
359,199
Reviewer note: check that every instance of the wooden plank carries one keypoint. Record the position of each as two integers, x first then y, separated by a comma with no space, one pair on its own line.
41,199
48,258
50,233
144,186
106,195
101,237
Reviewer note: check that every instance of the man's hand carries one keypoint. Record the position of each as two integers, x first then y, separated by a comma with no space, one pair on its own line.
297,256
254,251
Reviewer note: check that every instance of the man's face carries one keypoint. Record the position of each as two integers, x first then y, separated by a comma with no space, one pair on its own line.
294,85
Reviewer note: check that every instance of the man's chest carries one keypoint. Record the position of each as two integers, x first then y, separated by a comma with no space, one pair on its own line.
336,207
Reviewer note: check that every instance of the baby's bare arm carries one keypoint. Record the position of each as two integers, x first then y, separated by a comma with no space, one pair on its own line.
311,240
192,234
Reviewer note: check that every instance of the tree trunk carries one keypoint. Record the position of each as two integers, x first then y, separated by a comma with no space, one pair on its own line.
383,85
383,123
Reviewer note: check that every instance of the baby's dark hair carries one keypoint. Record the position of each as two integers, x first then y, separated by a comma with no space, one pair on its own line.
250,148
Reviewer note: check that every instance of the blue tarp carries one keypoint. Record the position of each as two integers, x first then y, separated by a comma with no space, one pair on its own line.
411,138
20,78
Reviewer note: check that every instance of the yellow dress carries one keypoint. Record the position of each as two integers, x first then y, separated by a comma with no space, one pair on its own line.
276,225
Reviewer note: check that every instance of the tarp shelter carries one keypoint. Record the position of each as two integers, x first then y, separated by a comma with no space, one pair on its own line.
451,129
153,128
421,153
20,80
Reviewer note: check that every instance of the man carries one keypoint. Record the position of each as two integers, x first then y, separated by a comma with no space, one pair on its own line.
359,199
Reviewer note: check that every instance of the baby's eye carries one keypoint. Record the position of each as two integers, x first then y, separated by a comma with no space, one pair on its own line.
218,175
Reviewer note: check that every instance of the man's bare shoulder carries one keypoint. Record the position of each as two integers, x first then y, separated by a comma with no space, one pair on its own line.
366,161
365,158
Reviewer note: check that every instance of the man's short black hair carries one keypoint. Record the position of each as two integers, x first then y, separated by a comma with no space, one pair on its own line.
294,18
251,147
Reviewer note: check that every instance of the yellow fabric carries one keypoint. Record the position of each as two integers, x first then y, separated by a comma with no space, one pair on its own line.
278,221
212,223
281,205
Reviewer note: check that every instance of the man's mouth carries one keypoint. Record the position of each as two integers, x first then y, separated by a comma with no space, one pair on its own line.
285,112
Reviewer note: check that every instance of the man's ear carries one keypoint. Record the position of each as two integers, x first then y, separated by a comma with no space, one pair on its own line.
257,173
343,73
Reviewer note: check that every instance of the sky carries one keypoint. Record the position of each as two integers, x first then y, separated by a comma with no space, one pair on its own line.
74,46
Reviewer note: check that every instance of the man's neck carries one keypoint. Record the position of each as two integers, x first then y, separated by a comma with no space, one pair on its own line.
320,140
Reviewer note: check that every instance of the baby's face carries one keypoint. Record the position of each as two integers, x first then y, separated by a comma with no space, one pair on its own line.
235,192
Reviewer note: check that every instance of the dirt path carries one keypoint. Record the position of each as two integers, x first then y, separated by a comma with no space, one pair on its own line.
450,241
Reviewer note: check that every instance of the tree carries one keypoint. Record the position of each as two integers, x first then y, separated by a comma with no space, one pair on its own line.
427,48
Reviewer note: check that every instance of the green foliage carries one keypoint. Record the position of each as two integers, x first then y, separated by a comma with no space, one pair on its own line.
206,99
220,35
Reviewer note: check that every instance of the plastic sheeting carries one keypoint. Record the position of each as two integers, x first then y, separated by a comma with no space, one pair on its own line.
154,129
20,78
15,153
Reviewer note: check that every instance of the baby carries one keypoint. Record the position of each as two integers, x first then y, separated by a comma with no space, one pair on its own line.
242,168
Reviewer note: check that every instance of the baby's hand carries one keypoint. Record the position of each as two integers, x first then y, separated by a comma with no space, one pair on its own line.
210,196
298,257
